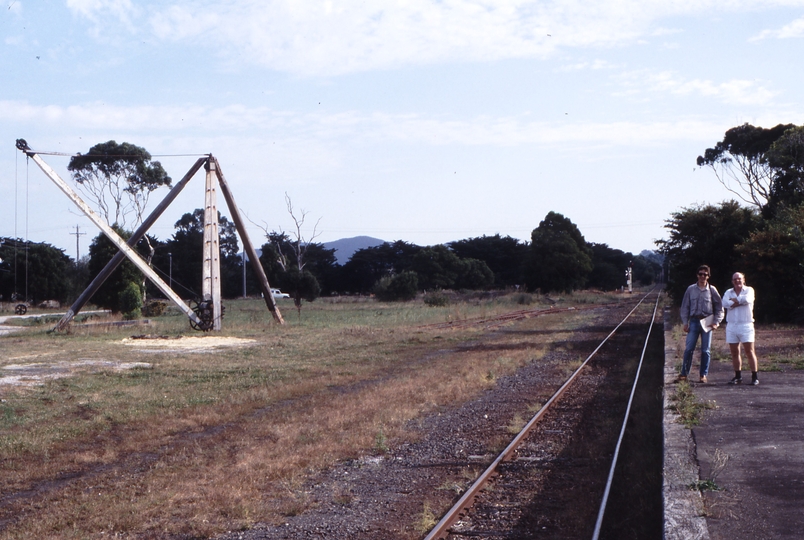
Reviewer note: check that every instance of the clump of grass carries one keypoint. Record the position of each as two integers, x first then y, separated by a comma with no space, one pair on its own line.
427,519
572,366
687,406
719,461
704,485
451,485
515,425
535,407
380,442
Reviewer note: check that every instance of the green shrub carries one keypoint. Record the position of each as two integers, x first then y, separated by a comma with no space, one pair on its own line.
131,301
436,299
399,288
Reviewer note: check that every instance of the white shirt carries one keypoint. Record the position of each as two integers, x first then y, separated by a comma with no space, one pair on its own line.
744,311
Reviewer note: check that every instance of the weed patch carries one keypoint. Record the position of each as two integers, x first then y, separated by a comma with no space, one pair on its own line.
687,406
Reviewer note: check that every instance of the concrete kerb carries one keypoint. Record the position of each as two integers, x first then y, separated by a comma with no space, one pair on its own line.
684,517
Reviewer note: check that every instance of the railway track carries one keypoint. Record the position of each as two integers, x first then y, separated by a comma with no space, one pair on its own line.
558,475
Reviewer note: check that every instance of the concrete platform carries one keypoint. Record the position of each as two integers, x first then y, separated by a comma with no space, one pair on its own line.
751,444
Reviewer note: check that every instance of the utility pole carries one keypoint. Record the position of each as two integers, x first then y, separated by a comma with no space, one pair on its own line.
77,250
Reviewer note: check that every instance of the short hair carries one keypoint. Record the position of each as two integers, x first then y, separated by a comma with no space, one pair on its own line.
704,267
741,275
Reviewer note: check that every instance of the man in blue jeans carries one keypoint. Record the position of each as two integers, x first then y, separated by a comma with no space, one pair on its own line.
700,301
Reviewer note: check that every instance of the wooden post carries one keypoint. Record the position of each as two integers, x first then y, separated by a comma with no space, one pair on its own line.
211,277
248,247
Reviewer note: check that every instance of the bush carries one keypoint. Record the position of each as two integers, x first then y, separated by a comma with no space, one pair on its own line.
399,288
436,299
131,301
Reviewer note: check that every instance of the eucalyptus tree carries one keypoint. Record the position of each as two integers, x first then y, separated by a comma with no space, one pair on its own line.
118,179
740,161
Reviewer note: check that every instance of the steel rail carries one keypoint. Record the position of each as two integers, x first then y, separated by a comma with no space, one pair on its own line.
441,530
602,511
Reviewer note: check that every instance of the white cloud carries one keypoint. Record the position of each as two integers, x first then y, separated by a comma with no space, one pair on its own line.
584,66
101,12
793,30
734,92
352,35
249,124
331,38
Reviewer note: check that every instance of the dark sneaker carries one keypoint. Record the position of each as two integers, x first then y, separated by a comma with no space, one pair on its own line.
754,381
682,378
736,380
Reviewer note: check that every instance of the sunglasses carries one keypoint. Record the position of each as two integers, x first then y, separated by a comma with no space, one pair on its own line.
703,274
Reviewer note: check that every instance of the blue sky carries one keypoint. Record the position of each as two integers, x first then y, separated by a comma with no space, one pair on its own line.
425,121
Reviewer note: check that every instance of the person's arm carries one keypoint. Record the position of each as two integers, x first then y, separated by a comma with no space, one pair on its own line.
748,298
685,310
717,306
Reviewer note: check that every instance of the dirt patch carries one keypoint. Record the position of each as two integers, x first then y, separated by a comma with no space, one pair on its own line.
37,373
186,344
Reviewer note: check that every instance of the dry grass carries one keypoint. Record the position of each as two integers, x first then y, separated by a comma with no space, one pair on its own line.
204,442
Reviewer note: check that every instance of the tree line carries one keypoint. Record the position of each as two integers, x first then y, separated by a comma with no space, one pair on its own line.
556,259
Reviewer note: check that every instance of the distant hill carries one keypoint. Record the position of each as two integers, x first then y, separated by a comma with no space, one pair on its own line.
345,247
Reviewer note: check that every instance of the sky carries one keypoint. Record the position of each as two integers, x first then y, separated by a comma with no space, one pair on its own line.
416,120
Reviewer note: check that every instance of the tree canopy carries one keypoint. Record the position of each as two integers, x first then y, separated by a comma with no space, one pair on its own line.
503,255
560,259
119,179
786,158
47,272
773,261
706,234
741,164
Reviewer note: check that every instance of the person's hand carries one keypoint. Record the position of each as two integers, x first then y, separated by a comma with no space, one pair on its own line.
735,302
686,328
714,326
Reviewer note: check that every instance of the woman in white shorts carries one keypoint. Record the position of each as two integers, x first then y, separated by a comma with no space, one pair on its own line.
739,303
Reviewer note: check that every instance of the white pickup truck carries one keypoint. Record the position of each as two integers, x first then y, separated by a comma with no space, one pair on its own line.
279,294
